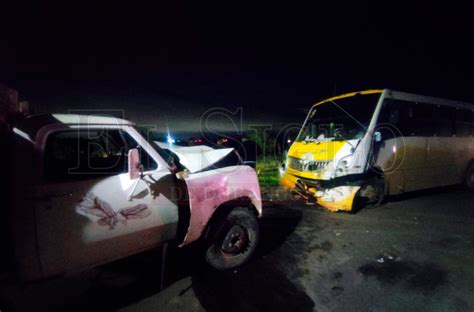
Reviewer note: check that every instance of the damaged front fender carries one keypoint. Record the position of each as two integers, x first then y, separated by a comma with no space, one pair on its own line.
209,190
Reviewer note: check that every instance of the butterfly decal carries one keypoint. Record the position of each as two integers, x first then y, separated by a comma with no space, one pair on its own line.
93,205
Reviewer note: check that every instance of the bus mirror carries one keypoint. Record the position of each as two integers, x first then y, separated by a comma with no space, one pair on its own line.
377,136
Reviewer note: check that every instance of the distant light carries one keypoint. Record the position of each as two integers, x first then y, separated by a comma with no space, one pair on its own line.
224,140
288,141
198,141
170,140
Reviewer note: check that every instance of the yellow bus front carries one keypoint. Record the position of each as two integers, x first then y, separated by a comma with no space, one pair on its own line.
330,155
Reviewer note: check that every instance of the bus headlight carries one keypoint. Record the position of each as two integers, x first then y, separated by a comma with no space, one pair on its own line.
343,166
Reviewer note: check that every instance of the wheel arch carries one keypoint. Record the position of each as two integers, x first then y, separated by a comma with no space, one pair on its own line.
225,208
377,171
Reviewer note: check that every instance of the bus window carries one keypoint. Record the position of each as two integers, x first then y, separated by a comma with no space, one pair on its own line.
470,118
339,120
463,123
421,122
408,118
443,118
416,119
407,125
390,119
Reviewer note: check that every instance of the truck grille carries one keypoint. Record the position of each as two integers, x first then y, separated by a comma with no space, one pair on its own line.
307,165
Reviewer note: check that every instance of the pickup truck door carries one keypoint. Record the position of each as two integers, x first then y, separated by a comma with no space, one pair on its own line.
88,209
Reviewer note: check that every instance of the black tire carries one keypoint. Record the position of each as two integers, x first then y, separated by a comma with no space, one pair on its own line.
469,178
370,195
233,240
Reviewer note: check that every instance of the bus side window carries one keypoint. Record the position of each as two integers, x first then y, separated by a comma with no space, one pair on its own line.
415,119
388,119
463,123
394,115
422,119
396,119
443,118
471,121
408,118
408,123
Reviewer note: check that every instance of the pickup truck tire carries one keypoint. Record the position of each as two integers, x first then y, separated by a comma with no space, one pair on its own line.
233,240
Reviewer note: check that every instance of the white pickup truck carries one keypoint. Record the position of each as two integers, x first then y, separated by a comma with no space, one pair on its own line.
88,190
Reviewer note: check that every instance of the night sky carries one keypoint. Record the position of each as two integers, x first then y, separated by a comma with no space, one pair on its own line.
166,63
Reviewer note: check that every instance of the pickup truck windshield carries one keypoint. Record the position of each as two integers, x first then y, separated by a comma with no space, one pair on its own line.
168,156
339,120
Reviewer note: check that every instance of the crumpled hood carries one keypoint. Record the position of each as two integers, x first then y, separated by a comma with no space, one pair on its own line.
196,158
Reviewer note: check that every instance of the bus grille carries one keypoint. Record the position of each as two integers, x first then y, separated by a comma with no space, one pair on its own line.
307,165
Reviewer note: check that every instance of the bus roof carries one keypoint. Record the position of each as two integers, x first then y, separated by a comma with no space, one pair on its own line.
404,97
346,95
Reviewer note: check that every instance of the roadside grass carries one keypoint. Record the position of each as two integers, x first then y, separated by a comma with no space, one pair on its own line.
268,177
267,171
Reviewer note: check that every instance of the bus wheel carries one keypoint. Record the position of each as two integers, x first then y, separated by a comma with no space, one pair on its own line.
469,179
371,193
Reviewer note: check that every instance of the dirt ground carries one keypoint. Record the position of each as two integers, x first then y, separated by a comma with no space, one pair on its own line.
414,253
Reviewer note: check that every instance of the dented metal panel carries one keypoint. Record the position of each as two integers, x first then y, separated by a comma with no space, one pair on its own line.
209,190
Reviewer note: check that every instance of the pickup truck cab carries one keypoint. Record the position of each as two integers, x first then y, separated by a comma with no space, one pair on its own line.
89,190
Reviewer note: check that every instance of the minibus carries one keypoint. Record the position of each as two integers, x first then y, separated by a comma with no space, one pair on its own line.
356,148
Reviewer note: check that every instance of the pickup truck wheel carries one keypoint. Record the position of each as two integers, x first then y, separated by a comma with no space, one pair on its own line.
234,239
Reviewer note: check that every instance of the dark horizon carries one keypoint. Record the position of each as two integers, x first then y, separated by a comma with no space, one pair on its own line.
170,62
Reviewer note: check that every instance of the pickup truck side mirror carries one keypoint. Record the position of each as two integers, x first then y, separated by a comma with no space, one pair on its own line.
134,166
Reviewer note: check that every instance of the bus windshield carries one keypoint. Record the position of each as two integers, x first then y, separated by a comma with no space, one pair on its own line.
339,120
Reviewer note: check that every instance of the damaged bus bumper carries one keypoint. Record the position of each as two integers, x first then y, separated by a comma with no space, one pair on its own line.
334,198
